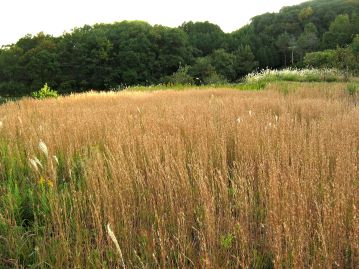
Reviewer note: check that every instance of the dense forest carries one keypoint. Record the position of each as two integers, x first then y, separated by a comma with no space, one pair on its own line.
318,33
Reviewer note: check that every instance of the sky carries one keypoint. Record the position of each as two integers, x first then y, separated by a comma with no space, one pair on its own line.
21,17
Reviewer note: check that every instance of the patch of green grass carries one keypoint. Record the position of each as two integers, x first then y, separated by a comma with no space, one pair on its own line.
257,85
4,100
227,241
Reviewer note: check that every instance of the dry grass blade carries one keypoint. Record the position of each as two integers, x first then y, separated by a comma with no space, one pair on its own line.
114,240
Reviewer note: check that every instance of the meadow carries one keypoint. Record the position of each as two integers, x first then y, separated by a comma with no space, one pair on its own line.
196,178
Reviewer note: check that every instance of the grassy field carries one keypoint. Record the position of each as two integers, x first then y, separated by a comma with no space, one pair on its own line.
209,178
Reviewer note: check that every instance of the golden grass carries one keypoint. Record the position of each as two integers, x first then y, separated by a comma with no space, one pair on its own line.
192,179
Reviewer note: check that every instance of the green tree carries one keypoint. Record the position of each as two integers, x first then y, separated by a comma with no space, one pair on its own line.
224,64
203,72
41,62
241,37
172,50
305,13
355,46
283,44
244,61
205,37
339,33
181,76
345,60
12,80
308,41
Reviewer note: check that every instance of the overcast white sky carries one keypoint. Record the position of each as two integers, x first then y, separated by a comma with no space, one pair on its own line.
20,17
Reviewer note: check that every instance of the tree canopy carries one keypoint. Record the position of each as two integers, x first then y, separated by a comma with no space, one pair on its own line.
108,56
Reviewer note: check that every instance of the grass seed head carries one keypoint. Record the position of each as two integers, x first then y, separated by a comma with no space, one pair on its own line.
43,148
114,240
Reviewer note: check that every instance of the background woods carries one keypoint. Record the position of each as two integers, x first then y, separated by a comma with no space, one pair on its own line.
110,56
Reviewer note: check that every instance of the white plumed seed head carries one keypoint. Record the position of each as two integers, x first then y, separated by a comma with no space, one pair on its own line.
38,162
43,148
114,240
56,159
34,164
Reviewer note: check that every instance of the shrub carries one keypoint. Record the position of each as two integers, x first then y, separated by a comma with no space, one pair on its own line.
45,92
214,78
353,89
341,58
320,59
180,77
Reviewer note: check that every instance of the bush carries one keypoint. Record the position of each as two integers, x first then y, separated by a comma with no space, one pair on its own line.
180,77
320,59
214,78
341,58
45,92
353,89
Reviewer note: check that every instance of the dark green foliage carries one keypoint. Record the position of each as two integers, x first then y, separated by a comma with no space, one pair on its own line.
355,46
204,72
279,39
180,77
340,32
224,63
204,37
320,59
343,59
102,56
308,41
283,44
244,61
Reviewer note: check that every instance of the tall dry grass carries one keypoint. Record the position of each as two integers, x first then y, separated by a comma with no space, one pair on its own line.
192,179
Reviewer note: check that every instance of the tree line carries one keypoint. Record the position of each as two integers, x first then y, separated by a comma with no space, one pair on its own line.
112,56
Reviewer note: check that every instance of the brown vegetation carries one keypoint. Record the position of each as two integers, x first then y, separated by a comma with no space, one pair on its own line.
192,179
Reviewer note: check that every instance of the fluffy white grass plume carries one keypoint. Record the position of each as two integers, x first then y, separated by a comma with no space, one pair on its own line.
114,239
43,148
300,74
35,162
56,159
